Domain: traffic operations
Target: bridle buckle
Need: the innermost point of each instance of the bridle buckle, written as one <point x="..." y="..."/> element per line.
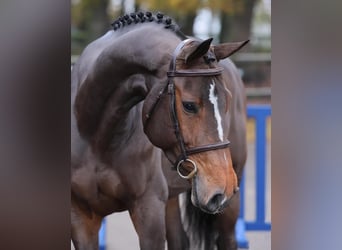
<point x="193" y="171"/>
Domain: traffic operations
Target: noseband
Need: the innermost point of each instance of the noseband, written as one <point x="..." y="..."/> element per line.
<point x="170" y="88"/>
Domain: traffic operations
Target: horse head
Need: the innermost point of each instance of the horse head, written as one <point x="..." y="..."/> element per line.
<point x="189" y="119"/>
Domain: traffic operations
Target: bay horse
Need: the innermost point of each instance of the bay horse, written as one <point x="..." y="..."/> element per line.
<point x="145" y="98"/>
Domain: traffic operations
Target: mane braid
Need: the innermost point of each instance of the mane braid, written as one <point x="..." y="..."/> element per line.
<point x="141" y="17"/>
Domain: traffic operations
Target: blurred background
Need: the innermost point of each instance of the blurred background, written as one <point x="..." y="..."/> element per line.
<point x="224" y="20"/>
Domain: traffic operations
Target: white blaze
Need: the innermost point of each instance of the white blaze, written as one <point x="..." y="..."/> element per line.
<point x="213" y="99"/>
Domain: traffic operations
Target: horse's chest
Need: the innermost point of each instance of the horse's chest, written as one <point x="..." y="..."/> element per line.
<point x="121" y="181"/>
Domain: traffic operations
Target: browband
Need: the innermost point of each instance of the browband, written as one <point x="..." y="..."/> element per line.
<point x="195" y="72"/>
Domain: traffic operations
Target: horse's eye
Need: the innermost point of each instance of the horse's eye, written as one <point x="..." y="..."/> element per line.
<point x="190" y="107"/>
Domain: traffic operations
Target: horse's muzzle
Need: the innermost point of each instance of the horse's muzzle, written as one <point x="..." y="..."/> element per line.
<point x="215" y="204"/>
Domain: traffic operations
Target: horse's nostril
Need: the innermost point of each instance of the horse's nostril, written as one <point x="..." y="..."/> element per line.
<point x="216" y="198"/>
<point x="215" y="202"/>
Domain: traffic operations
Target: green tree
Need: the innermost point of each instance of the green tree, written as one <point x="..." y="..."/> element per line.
<point x="236" y="15"/>
<point x="89" y="21"/>
<point x="184" y="12"/>
<point x="236" y="21"/>
<point x="90" y="18"/>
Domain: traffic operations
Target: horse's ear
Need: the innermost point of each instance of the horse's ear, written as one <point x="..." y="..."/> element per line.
<point x="200" y="50"/>
<point x="227" y="49"/>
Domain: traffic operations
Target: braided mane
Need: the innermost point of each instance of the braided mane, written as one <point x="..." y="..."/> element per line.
<point x="141" y="17"/>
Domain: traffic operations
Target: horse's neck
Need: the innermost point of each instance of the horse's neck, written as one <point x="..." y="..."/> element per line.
<point x="115" y="135"/>
<point x="120" y="116"/>
<point x="117" y="55"/>
<point x="121" y="76"/>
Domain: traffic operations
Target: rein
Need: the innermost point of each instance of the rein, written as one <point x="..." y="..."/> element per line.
<point x="170" y="88"/>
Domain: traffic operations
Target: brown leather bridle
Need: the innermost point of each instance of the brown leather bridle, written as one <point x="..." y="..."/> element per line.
<point x="170" y="88"/>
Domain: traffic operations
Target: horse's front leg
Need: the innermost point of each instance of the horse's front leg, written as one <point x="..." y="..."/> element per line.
<point x="226" y="225"/>
<point x="84" y="226"/>
<point x="148" y="217"/>
<point x="176" y="236"/>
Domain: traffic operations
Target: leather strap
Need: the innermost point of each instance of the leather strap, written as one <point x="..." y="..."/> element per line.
<point x="172" y="67"/>
<point x="195" y="72"/>
<point x="176" y="127"/>
<point x="201" y="149"/>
